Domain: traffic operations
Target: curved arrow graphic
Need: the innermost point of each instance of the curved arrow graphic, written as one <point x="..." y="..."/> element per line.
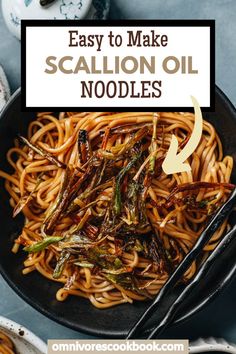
<point x="175" y="162"/>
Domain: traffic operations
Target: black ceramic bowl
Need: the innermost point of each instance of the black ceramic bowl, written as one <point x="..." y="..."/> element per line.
<point x="78" y="313"/>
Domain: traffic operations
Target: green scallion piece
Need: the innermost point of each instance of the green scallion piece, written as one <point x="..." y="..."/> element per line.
<point x="41" y="245"/>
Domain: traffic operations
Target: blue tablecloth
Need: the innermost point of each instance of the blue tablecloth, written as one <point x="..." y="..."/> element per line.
<point x="218" y="319"/>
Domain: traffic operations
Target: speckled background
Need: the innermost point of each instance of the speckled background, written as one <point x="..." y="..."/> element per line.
<point x="219" y="318"/>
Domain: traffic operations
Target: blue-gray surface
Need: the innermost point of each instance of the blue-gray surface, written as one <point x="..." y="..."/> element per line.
<point x="218" y="319"/>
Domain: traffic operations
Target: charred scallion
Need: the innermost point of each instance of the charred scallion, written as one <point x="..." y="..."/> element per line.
<point x="25" y="199"/>
<point x="64" y="256"/>
<point x="118" y="180"/>
<point x="153" y="145"/>
<point x="84" y="148"/>
<point x="43" y="153"/>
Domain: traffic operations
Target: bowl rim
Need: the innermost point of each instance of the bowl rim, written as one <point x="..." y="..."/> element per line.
<point x="29" y="337"/>
<point x="103" y="333"/>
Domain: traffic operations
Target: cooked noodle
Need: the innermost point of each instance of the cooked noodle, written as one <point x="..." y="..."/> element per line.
<point x="101" y="217"/>
<point x="6" y="345"/>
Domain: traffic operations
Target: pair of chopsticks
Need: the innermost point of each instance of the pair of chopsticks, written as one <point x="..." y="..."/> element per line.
<point x="205" y="237"/>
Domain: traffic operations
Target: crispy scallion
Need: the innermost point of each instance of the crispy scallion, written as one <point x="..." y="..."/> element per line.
<point x="43" y="153"/>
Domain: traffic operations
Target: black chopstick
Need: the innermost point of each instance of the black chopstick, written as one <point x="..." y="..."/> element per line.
<point x="203" y="271"/>
<point x="215" y="222"/>
<point x="46" y="2"/>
